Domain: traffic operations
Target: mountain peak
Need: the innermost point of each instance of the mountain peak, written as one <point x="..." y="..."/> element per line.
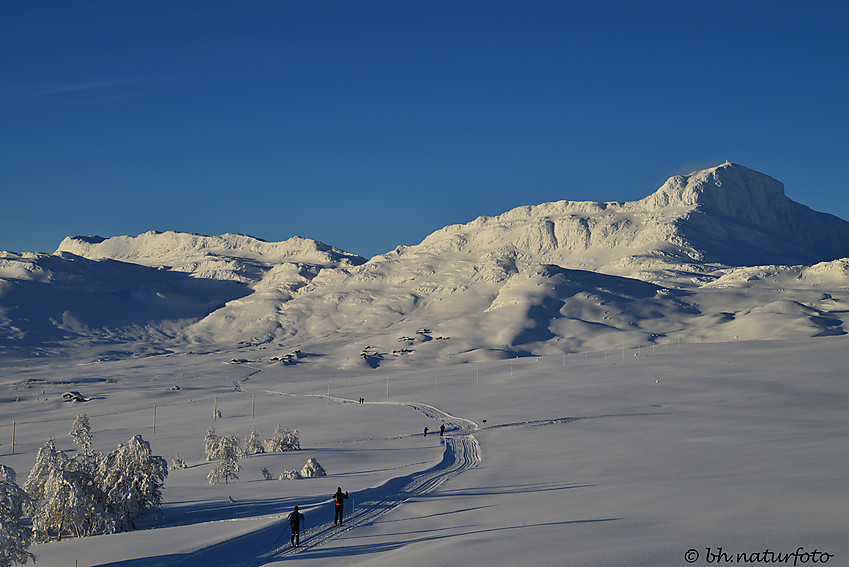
<point x="729" y="189"/>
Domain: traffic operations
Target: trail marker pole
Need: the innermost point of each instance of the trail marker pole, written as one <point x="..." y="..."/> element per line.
<point x="387" y="386"/>
<point x="154" y="418"/>
<point x="13" y="437"/>
<point x="477" y="376"/>
<point x="328" y="393"/>
<point x="253" y="405"/>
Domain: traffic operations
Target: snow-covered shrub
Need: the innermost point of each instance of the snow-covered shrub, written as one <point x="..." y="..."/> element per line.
<point x="289" y="475"/>
<point x="177" y="463"/>
<point x="284" y="440"/>
<point x="15" y="537"/>
<point x="254" y="444"/>
<point x="226" y="455"/>
<point x="210" y="443"/>
<point x="265" y="474"/>
<point x="312" y="469"/>
<point x="132" y="479"/>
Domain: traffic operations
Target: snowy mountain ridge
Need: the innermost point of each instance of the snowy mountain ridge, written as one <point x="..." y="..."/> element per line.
<point x="228" y="256"/>
<point x="714" y="255"/>
<point x="728" y="215"/>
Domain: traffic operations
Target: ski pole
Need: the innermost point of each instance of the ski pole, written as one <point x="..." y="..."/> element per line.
<point x="281" y="534"/>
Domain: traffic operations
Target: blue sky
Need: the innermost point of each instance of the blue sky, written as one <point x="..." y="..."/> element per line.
<point x="369" y="124"/>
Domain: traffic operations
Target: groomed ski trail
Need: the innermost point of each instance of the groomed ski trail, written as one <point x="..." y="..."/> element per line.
<point x="462" y="452"/>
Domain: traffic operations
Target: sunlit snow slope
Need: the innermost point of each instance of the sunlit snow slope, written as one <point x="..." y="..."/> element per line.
<point x="715" y="255"/>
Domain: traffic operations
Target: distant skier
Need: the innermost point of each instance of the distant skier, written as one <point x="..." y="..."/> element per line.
<point x="442" y="430"/>
<point x="340" y="497"/>
<point x="295" y="519"/>
<point x="425" y="432"/>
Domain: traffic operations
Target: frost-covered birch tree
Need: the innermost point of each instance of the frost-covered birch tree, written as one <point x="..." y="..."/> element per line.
<point x="226" y="456"/>
<point x="72" y="506"/>
<point x="254" y="444"/>
<point x="210" y="443"/>
<point x="15" y="536"/>
<point x="132" y="478"/>
<point x="48" y="459"/>
<point x="81" y="434"/>
<point x="64" y="497"/>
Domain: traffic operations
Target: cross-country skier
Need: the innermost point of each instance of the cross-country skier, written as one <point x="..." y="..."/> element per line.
<point x="425" y="432"/>
<point x="340" y="497"/>
<point x="295" y="519"/>
<point x="442" y="430"/>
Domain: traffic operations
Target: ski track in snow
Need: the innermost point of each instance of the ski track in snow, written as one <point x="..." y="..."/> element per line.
<point x="461" y="453"/>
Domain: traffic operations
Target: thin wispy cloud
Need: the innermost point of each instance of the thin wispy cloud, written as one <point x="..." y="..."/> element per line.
<point x="95" y="86"/>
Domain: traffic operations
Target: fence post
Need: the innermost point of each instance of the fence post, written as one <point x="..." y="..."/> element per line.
<point x="13" y="437"/>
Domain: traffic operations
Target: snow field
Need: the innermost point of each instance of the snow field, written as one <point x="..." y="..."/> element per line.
<point x="598" y="461"/>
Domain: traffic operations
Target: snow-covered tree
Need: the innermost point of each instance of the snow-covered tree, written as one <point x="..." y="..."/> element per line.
<point x="72" y="505"/>
<point x="132" y="479"/>
<point x="15" y="537"/>
<point x="210" y="443"/>
<point x="226" y="455"/>
<point x="312" y="469"/>
<point x="49" y="458"/>
<point x="284" y="440"/>
<point x="265" y="474"/>
<point x="254" y="445"/>
<point x="81" y="434"/>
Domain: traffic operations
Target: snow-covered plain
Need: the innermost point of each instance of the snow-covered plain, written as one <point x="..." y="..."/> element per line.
<point x="626" y="457"/>
<point x="661" y="382"/>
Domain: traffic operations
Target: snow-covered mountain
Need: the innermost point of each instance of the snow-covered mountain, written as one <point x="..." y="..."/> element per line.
<point x="717" y="254"/>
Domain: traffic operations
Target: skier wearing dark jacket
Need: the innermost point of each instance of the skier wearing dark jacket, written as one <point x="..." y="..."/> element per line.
<point x="340" y="497"/>
<point x="295" y="519"/>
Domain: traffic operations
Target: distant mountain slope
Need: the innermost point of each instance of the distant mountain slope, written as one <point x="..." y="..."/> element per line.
<point x="727" y="215"/>
<point x="497" y="283"/>
<point x="719" y="254"/>
<point x="46" y="300"/>
<point x="228" y="256"/>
